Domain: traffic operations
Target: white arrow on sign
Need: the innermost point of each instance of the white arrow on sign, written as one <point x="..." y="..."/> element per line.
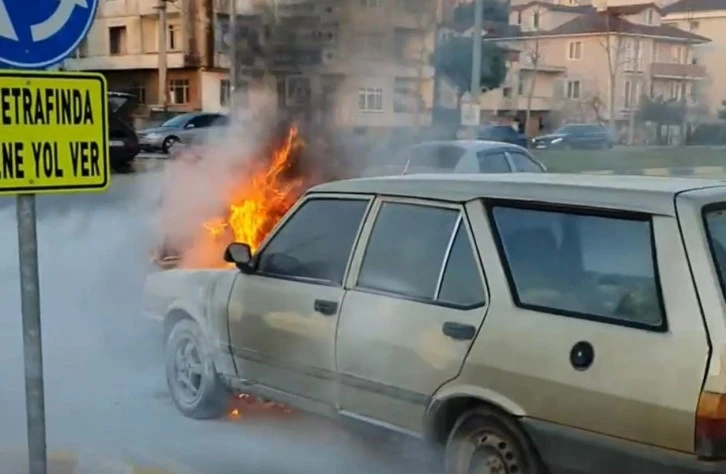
<point x="53" y="24"/>
<point x="7" y="30"/>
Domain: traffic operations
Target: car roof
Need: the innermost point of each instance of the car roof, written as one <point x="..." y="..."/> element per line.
<point x="653" y="195"/>
<point x="470" y="145"/>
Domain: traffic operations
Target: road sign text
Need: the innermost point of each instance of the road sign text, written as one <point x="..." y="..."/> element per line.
<point x="53" y="132"/>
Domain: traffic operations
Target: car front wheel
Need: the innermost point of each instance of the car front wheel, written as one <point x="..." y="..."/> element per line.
<point x="168" y="143"/>
<point x="193" y="382"/>
<point x="484" y="441"/>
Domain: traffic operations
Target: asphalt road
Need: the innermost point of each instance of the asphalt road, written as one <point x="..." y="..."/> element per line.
<point x="104" y="387"/>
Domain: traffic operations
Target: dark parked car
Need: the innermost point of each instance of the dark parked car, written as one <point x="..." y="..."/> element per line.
<point x="123" y="141"/>
<point x="576" y="135"/>
<point x="503" y="133"/>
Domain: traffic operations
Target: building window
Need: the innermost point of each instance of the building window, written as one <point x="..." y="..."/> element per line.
<point x="370" y="99"/>
<point x="520" y="85"/>
<point x="225" y="90"/>
<point x="117" y="40"/>
<point x="574" y="50"/>
<point x="573" y="89"/>
<point x="173" y="38"/>
<point x="535" y="20"/>
<point x="139" y="92"/>
<point x="649" y="16"/>
<point x="693" y="25"/>
<point x="628" y="91"/>
<point x="506" y="91"/>
<point x="519" y="17"/>
<point x="179" y="91"/>
<point x="406" y="98"/>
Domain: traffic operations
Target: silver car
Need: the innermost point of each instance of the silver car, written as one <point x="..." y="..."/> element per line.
<point x="186" y="128"/>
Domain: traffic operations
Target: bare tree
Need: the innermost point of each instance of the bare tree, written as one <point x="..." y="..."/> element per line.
<point x="533" y="55"/>
<point x="614" y="45"/>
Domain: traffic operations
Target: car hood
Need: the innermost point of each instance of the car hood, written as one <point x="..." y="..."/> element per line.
<point x="147" y="131"/>
<point x="163" y="288"/>
<point x="550" y="136"/>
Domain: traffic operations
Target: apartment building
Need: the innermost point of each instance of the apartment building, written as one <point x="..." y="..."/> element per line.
<point x="593" y="62"/>
<point x="706" y="18"/>
<point x="359" y="63"/>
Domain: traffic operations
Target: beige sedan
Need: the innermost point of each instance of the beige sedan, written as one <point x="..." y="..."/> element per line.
<point x="525" y="323"/>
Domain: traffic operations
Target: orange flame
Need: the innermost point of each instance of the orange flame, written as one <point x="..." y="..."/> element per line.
<point x="264" y="194"/>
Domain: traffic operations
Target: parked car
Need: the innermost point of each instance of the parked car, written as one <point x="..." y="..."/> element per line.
<point x="123" y="141"/>
<point x="576" y="135"/>
<point x="536" y="322"/>
<point x="467" y="156"/>
<point x="185" y="128"/>
<point x="503" y="133"/>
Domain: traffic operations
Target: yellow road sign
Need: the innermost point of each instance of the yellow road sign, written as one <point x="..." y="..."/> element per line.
<point x="53" y="132"/>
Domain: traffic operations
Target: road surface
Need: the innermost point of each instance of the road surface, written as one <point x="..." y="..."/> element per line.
<point x="105" y="393"/>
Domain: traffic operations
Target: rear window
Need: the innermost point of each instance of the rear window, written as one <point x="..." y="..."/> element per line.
<point x="716" y="230"/>
<point x="436" y="157"/>
<point x="594" y="266"/>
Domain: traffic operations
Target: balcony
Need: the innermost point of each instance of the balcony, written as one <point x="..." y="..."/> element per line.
<point x="124" y="62"/>
<point x="677" y="71"/>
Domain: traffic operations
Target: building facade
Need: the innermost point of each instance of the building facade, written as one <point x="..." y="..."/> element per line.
<point x="594" y="62"/>
<point x="359" y="63"/>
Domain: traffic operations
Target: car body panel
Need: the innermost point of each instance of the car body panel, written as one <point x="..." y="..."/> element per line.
<point x="376" y="328"/>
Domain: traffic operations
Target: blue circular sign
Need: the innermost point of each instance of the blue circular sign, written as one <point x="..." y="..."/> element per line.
<point x="43" y="34"/>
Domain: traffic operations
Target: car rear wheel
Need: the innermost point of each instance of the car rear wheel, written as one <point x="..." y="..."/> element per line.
<point x="168" y="143"/>
<point x="484" y="441"/>
<point x="193" y="382"/>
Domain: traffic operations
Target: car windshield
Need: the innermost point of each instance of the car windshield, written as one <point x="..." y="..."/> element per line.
<point x="715" y="222"/>
<point x="177" y="121"/>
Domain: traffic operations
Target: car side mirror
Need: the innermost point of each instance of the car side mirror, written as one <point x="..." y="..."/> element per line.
<point x="240" y="254"/>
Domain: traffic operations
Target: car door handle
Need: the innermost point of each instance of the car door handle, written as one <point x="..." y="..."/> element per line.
<point x="328" y="308"/>
<point x="459" y="331"/>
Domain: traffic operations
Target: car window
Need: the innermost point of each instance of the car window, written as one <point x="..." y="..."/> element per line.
<point x="716" y="230"/>
<point x="461" y="284"/>
<point x="493" y="162"/>
<point x="203" y="121"/>
<point x="582" y="265"/>
<point x="406" y="250"/>
<point x="435" y="157"/>
<point x="522" y="162"/>
<point x="316" y="241"/>
<point x="176" y="122"/>
<point x="220" y="121"/>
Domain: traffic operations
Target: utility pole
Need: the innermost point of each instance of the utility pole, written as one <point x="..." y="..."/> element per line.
<point x="476" y="56"/>
<point x="163" y="86"/>
<point x="232" y="35"/>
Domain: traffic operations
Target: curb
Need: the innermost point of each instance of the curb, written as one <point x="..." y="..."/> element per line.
<point x="63" y="462"/>
<point x="683" y="172"/>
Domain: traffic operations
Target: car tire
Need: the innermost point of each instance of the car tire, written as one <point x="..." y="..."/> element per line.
<point x="168" y="143"/>
<point x="195" y="387"/>
<point x="484" y="440"/>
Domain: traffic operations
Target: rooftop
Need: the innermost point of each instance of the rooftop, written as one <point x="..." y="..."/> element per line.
<point x="637" y="193"/>
<point x="686" y="6"/>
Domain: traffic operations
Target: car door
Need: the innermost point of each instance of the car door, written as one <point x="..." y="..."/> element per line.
<point x="415" y="300"/>
<point x="603" y="304"/>
<point x="196" y="127"/>
<point x="283" y="316"/>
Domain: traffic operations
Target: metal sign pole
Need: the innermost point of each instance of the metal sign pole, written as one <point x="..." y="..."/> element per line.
<point x="32" y="344"/>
